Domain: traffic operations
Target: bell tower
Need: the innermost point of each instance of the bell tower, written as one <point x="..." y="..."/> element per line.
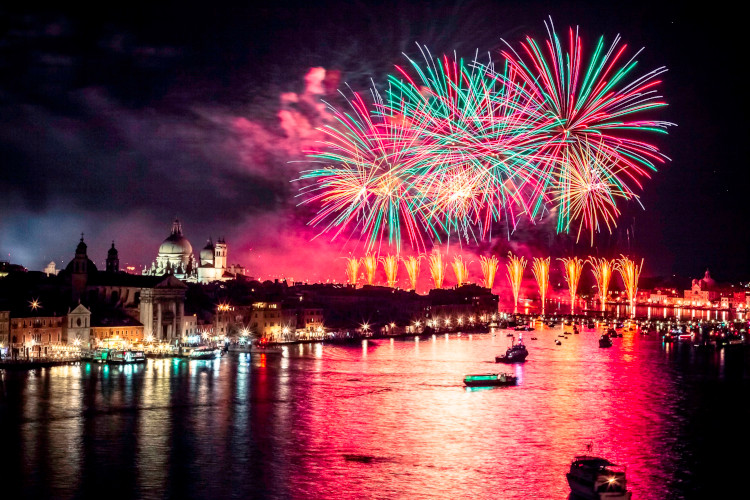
<point x="80" y="273"/>
<point x="220" y="257"/>
<point x="113" y="261"/>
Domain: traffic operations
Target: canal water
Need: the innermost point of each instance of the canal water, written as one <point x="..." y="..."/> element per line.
<point x="390" y="420"/>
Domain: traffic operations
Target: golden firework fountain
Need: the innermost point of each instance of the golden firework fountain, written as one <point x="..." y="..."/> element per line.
<point x="352" y="270"/>
<point x="370" y="261"/>
<point x="461" y="270"/>
<point x="630" y="273"/>
<point x="412" y="265"/>
<point x="437" y="269"/>
<point x="602" y="269"/>
<point x="515" y="267"/>
<point x="390" y="266"/>
<point x="573" y="270"/>
<point x="489" y="270"/>
<point x="540" y="268"/>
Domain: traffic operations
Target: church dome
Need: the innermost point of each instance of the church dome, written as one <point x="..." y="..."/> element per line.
<point x="207" y="254"/>
<point x="176" y="243"/>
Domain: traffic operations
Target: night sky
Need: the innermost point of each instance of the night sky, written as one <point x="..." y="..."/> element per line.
<point x="116" y="118"/>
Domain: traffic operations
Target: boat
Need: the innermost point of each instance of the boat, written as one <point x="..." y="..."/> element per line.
<point x="605" y="341"/>
<point x="557" y="342"/>
<point x="597" y="478"/>
<point x="204" y="352"/>
<point x="122" y="357"/>
<point x="516" y="353"/>
<point x="489" y="379"/>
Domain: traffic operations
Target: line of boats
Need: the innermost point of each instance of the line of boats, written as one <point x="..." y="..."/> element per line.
<point x="130" y="356"/>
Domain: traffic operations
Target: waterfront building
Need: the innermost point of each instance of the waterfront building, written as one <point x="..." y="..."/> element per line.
<point x="77" y="331"/>
<point x="113" y="326"/>
<point x="37" y="333"/>
<point x="272" y="322"/>
<point x="4" y="332"/>
<point x="162" y="310"/>
<point x="706" y="292"/>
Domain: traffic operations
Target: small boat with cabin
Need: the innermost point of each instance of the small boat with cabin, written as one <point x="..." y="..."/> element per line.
<point x="204" y="352"/>
<point x="516" y="353"/>
<point x="596" y="478"/>
<point x="605" y="341"/>
<point x="489" y="380"/>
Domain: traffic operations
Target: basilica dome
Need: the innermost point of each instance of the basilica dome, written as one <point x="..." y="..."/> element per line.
<point x="176" y="244"/>
<point x="176" y="249"/>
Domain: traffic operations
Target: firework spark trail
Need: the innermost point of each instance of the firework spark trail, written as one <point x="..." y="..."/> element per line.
<point x="370" y="261"/>
<point x="630" y="273"/>
<point x="540" y="268"/>
<point x="352" y="270"/>
<point x="437" y="269"/>
<point x="390" y="266"/>
<point x="461" y="270"/>
<point x="362" y="186"/>
<point x="602" y="269"/>
<point x="515" y="267"/>
<point x="573" y="270"/>
<point x="412" y="264"/>
<point x="489" y="270"/>
<point x="587" y="191"/>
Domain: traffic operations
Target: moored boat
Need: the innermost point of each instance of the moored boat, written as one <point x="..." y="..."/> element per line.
<point x="516" y="353"/>
<point x="489" y="379"/>
<point x="204" y="352"/>
<point x="124" y="356"/>
<point x="605" y="341"/>
<point x="596" y="478"/>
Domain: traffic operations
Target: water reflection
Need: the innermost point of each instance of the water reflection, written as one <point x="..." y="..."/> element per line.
<point x="389" y="419"/>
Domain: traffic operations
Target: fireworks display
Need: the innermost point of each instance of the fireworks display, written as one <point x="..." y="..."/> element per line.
<point x="453" y="147"/>
<point x="602" y="269"/>
<point x="390" y="266"/>
<point x="461" y="270"/>
<point x="370" y="262"/>
<point x="437" y="269"/>
<point x="515" y="266"/>
<point x="489" y="269"/>
<point x="630" y="273"/>
<point x="412" y="264"/>
<point x="540" y="268"/>
<point x="352" y="270"/>
<point x="573" y="270"/>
